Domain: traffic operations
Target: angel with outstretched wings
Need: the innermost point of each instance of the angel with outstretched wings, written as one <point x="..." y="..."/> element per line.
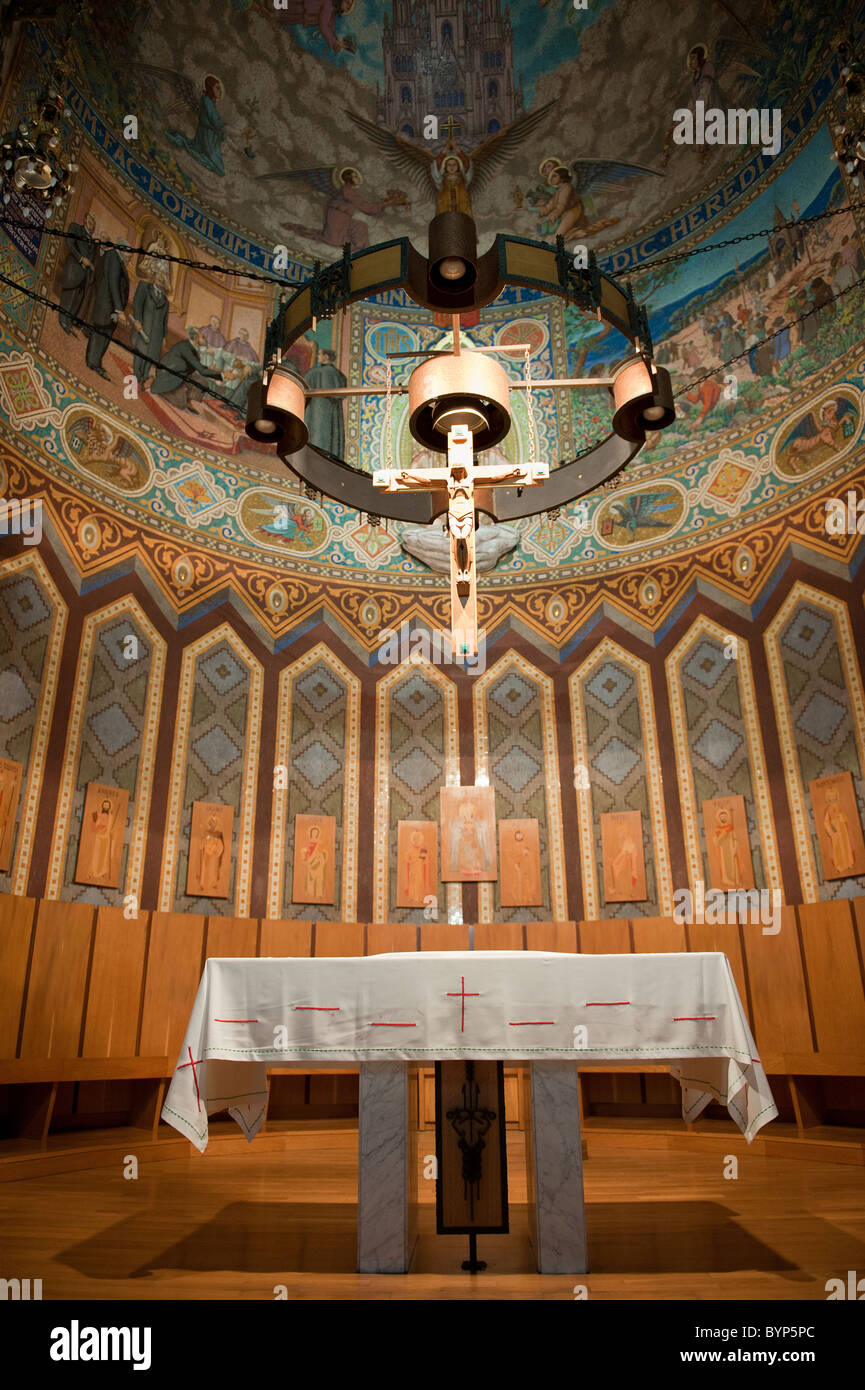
<point x="340" y="186"/>
<point x="568" y="207"/>
<point x="205" y="146"/>
<point x="450" y="174"/>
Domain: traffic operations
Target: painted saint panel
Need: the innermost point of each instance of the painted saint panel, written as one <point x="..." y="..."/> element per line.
<point x="314" y="856"/>
<point x="468" y="835"/>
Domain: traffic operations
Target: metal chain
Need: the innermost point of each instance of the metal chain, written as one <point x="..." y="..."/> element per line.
<point x="737" y="240"/>
<point x="387" y="401"/>
<point x="530" y="407"/>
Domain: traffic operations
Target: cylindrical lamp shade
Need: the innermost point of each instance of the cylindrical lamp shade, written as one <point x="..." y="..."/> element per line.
<point x="453" y="251"/>
<point x="470" y="389"/>
<point x="275" y="410"/>
<point x="643" y="397"/>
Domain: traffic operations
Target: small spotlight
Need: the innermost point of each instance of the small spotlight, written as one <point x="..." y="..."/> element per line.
<point x="643" y="398"/>
<point x="275" y="410"/>
<point x="654" y="412"/>
<point x="452" y="268"/>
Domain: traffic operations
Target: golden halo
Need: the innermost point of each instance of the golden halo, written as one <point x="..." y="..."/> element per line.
<point x="699" y="44"/>
<point x="547" y="159"/>
<point x="215" y="78"/>
<point x="347" y="169"/>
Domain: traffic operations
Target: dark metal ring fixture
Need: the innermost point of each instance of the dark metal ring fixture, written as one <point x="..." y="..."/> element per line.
<point x="462" y="387"/>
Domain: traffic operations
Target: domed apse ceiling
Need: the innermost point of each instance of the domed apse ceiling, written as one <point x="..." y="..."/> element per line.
<point x="303" y="127"/>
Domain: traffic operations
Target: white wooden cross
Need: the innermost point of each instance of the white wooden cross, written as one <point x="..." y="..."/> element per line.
<point x="459" y="479"/>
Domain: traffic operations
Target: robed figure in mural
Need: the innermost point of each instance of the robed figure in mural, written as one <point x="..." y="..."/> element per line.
<point x="109" y="305"/>
<point x="205" y="145"/>
<point x="324" y="416"/>
<point x="77" y="271"/>
<point x="149" y="321"/>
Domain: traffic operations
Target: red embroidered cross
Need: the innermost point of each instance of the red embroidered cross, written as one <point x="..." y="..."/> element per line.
<point x="193" y="1064"/>
<point x="462" y="994"/>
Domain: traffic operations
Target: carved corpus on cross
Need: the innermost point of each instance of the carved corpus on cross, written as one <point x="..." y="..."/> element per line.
<point x="459" y="479"/>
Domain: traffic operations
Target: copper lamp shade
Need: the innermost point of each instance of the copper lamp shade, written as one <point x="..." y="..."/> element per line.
<point x="275" y="408"/>
<point x="470" y="389"/>
<point x="643" y="396"/>
<point x="453" y="250"/>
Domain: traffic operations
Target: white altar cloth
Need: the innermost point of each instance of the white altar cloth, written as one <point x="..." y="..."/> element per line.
<point x="682" y="1010"/>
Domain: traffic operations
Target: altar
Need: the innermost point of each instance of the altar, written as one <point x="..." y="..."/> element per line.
<point x="554" y="1011"/>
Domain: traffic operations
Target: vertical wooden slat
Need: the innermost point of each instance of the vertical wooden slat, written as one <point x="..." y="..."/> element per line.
<point x="339" y="938"/>
<point x="658" y="935"/>
<point x="499" y="936"/>
<point x="16" y="931"/>
<point x="551" y="936"/>
<point x="58" y="976"/>
<point x="231" y="936"/>
<point x="384" y="937"/>
<point x="703" y="937"/>
<point x="173" y="975"/>
<point x="776" y="976"/>
<point x="116" y="984"/>
<point x="285" y="938"/>
<point x="612" y="938"/>
<point x="444" y="936"/>
<point x="833" y="976"/>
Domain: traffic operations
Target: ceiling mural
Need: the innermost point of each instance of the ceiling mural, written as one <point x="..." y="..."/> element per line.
<point x="303" y="127"/>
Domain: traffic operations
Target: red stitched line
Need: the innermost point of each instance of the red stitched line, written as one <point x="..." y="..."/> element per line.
<point x="191" y="1063"/>
<point x="320" y="1008"/>
<point x="531" y="1023"/>
<point x="461" y="993"/>
<point x="605" y="1003"/>
<point x="235" y="1020"/>
<point x="695" y="1018"/>
<point x="393" y="1025"/>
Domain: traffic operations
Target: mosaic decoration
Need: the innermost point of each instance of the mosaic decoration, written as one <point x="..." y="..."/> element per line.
<point x="215" y="758"/>
<point x="718" y="744"/>
<point x="616" y="770"/>
<point x="32" y="629"/>
<point x="516" y="754"/>
<point x="113" y="721"/>
<point x="317" y="768"/>
<point x="416" y="743"/>
<point x="820" y="709"/>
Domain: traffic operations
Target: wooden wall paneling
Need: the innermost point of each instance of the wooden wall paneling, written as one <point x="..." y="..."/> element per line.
<point x="610" y="938"/>
<point x="858" y="906"/>
<point x="285" y="939"/>
<point x="776" y="976"/>
<point x="808" y="1104"/>
<point x="727" y="940"/>
<point x="385" y="937"/>
<point x="499" y="936"/>
<point x="173" y="974"/>
<point x="444" y="936"/>
<point x="147" y="1101"/>
<point x="56" y="988"/>
<point x="16" y="934"/>
<point x="551" y="936"/>
<point x="231" y="936"/>
<point x="31" y="1108"/>
<point x="834" y="977"/>
<point x="116" y="984"/>
<point x="658" y="935"/>
<point x="339" y="938"/>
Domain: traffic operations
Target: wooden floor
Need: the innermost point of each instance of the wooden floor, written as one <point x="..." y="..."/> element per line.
<point x="236" y="1223"/>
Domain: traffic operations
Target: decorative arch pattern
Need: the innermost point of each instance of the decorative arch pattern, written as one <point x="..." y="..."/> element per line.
<point x="613" y="712"/>
<point x="718" y="744"/>
<point x="524" y="769"/>
<point x="317" y="742"/>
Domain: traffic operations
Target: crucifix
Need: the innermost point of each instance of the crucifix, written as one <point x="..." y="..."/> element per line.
<point x="449" y="126"/>
<point x="458" y="480"/>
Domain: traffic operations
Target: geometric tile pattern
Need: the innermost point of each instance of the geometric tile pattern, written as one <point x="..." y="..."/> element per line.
<point x="214" y="771"/>
<point x="416" y="761"/>
<point x="714" y="728"/>
<point x="515" y="739"/>
<point x="316" y="774"/>
<point x="26" y="615"/>
<point x="617" y="770"/>
<point x="818" y="706"/>
<point x="112" y="729"/>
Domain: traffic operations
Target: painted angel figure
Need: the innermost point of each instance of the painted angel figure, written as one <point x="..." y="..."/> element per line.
<point x="205" y="145"/>
<point x="340" y="187"/>
<point x="566" y="201"/>
<point x="446" y="176"/>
